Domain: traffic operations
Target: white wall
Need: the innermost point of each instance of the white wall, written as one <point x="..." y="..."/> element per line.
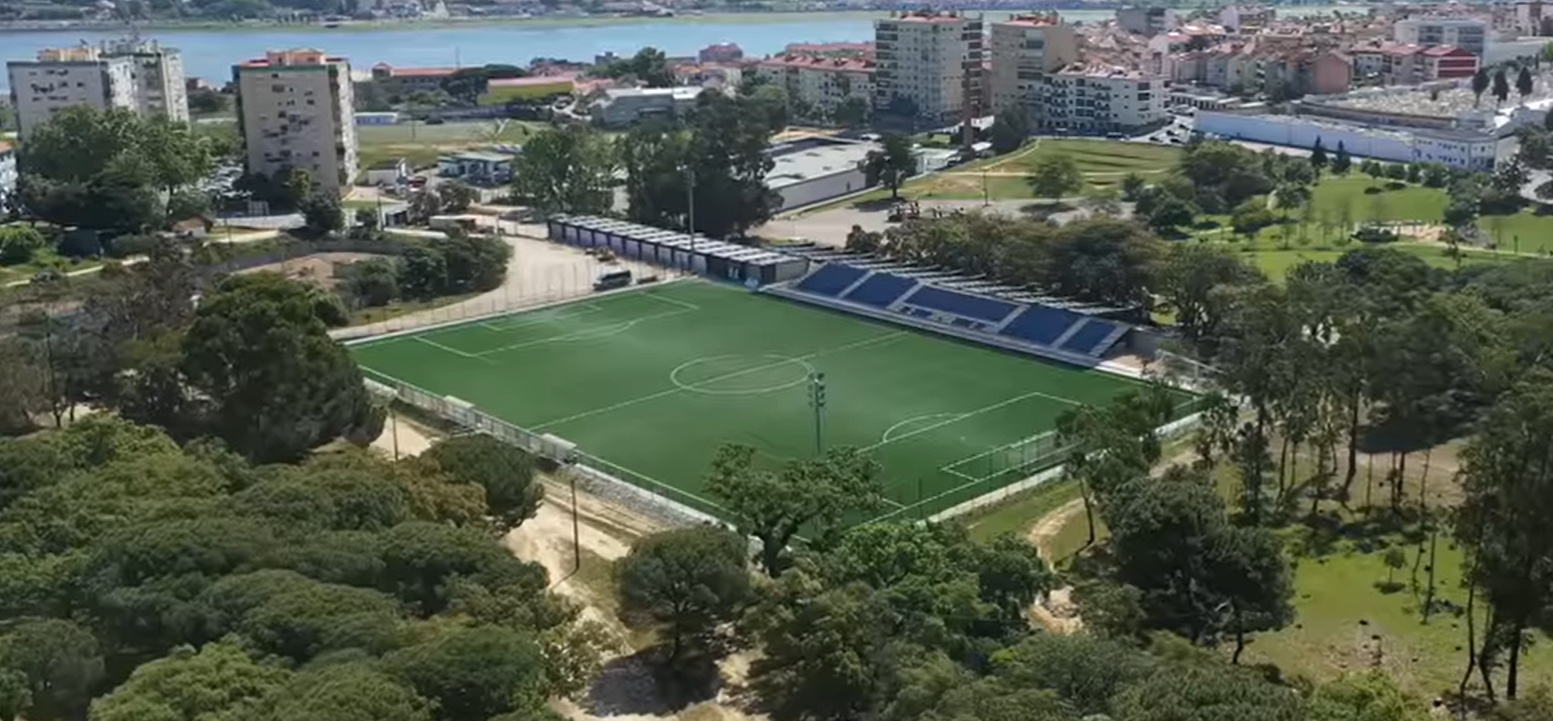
<point x="824" y="187"/>
<point x="1392" y="146"/>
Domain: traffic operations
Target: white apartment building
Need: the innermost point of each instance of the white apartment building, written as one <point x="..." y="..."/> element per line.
<point x="821" y="82"/>
<point x="135" y="74"/>
<point x="66" y="77"/>
<point x="1102" y="99"/>
<point x="931" y="62"/>
<point x="1470" y="34"/>
<point x="1147" y="20"/>
<point x="158" y="75"/>
<point x="295" y="110"/>
<point x="1024" y="49"/>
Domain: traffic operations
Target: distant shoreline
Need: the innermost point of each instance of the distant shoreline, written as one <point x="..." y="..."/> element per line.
<point x="765" y="16"/>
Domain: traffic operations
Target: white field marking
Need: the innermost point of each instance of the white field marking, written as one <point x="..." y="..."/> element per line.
<point x="671" y="391"/>
<point x="696" y="387"/>
<point x="963" y="416"/>
<point x="440" y="346"/>
<point x="673" y="301"/>
<point x="585" y="334"/>
<point x="951" y="471"/>
<point x="503" y="325"/>
<point x="886" y="435"/>
<point x="893" y="503"/>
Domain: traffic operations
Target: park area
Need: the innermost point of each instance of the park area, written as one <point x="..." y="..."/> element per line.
<point x="650" y="383"/>
<point x="422" y="143"/>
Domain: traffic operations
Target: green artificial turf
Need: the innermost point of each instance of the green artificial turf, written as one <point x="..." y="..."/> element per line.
<point x="649" y="384"/>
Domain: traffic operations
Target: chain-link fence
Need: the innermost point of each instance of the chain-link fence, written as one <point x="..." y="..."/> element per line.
<point x="527" y="287"/>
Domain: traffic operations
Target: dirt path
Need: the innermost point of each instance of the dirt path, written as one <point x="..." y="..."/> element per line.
<point x="1056" y="612"/>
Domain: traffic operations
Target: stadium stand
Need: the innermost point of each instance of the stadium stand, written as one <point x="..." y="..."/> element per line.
<point x="1085" y="339"/>
<point x="831" y="279"/>
<point x="880" y="290"/>
<point x="969" y="306"/>
<point x="954" y="301"/>
<point x="1040" y="324"/>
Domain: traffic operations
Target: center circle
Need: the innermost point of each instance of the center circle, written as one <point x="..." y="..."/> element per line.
<point x="741" y="374"/>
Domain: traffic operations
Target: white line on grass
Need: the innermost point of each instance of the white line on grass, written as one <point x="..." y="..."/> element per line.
<point x="660" y="394"/>
<point x="539" y="318"/>
<point x="585" y="334"/>
<point x="673" y="301"/>
<point x="440" y="346"/>
<point x="969" y="414"/>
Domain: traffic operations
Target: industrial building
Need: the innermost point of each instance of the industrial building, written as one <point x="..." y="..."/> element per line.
<point x="811" y="170"/>
<point x="1466" y="149"/>
<point x="624" y="107"/>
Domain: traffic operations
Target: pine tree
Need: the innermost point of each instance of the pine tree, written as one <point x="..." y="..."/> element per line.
<point x="1479" y="85"/>
<point x="1341" y="162"/>
<point x="1318" y="156"/>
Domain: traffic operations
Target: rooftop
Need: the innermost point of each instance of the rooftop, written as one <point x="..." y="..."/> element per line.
<point x="806" y="161"/>
<point x="532" y="81"/>
<point x="1032" y="20"/>
<point x="819" y="63"/>
<point x="927" y="16"/>
<point x="290" y="58"/>
<point x="678" y="93"/>
<point x="1445" y="99"/>
<point x="414" y="72"/>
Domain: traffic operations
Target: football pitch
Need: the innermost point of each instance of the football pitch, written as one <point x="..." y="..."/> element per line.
<point x="649" y="383"/>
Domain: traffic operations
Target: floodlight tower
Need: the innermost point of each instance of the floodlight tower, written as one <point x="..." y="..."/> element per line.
<point x="817" y="401"/>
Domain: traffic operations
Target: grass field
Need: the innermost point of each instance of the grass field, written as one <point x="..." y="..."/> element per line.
<point x="421" y="143"/>
<point x="652" y="382"/>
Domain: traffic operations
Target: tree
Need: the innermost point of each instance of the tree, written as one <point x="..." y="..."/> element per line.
<point x="61" y="662"/>
<point x="423" y="272"/>
<point x="373" y="282"/>
<point x="218" y="680"/>
<point x="1198" y="282"/>
<point x="1523" y="82"/>
<point x="774" y="506"/>
<point x="1010" y="130"/>
<point x="207" y="102"/>
<point x="1371" y="696"/>
<point x="349" y="692"/>
<point x="686" y="581"/>
<point x="18" y="243"/>
<point x="322" y="213"/>
<point x="1318" y="156"/>
<point x="566" y="170"/>
<point x="1341" y="162"/>
<point x="1501" y="86"/>
<point x="891" y="164"/>
<point x="1207" y="692"/>
<point x="1132" y="187"/>
<point x="277" y="385"/>
<point x="473" y="673"/>
<point x="456" y="196"/>
<point x="1054" y="175"/>
<point x="505" y="472"/>
<point x="1480" y="82"/>
<point x="1507" y="485"/>
<point x="852" y="112"/>
<point x="1171" y="213"/>
<point x="649" y="66"/>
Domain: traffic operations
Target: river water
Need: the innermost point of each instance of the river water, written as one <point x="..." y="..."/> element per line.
<point x="210" y="54"/>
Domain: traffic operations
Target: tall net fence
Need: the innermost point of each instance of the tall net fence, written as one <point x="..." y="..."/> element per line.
<point x="596" y="475"/>
<point x="527" y="287"/>
<point x="985" y="477"/>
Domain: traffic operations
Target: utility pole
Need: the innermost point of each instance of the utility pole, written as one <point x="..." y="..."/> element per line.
<point x="690" y="205"/>
<point x="817" y="401"/>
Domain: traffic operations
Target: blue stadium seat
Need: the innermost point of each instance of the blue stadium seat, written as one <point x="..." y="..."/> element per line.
<point x="881" y="289"/>
<point x="831" y="279"/>
<point x="970" y="306"/>
<point x="1040" y="324"/>
<point x="1085" y="340"/>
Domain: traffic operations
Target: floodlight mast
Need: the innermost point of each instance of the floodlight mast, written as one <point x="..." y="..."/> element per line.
<point x="817" y="401"/>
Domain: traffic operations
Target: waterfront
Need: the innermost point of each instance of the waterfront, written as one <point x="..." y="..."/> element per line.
<point x="209" y="53"/>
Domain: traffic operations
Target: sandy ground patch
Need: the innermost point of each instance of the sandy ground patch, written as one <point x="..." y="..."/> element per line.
<point x="317" y="268"/>
<point x="1056" y="612"/>
<point x="402" y="437"/>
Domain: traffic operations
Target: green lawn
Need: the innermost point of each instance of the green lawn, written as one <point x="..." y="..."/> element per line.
<point x="652" y="382"/>
<point x="1410" y="203"/>
<point x="422" y="144"/>
<point x="1276" y="262"/>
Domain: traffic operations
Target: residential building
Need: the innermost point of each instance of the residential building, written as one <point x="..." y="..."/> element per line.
<point x="1533" y="18"/>
<point x="160" y="87"/>
<point x="1097" y="99"/>
<point x="295" y="110"/>
<point x="1147" y="20"/>
<point x="1297" y="73"/>
<point x="7" y="175"/>
<point x="930" y="63"/>
<point x="1246" y="20"/>
<point x="409" y="80"/>
<point x="139" y="75"/>
<point x="720" y="53"/>
<point x="1369" y="65"/>
<point x="1024" y="49"/>
<point x="480" y="168"/>
<point x="1470" y="34"/>
<point x="822" y="83"/>
<point x="846" y="49"/>
<point x="1446" y="62"/>
<point x="66" y="77"/>
<point x="622" y="107"/>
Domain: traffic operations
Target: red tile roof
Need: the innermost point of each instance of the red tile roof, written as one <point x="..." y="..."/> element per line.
<point x="1446" y="51"/>
<point x="858" y="65"/>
